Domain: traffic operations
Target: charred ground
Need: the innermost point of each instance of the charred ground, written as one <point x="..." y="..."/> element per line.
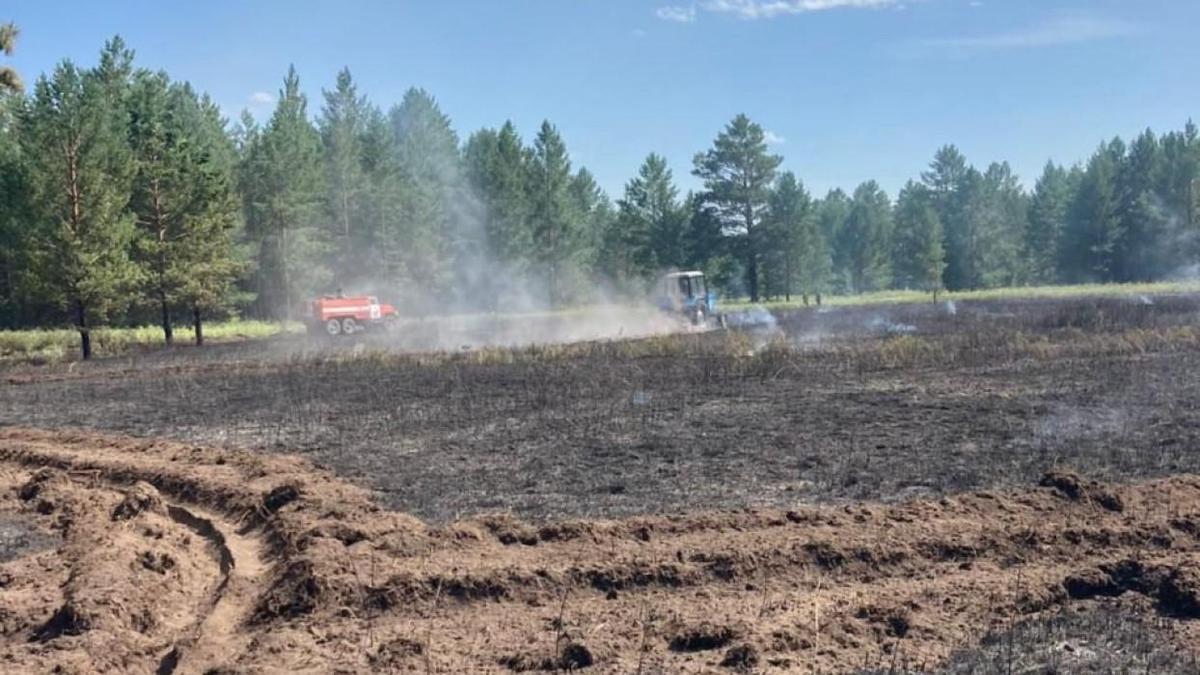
<point x="806" y="406"/>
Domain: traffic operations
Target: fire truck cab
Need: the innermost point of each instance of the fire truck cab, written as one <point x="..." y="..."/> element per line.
<point x="336" y="315"/>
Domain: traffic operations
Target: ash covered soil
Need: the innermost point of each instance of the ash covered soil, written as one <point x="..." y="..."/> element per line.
<point x="174" y="558"/>
<point x="807" y="406"/>
<point x="985" y="488"/>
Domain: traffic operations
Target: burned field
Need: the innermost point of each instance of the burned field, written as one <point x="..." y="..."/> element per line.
<point x="982" y="488"/>
<point x="845" y="404"/>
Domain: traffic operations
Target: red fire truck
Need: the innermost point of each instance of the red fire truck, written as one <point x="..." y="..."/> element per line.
<point x="346" y="315"/>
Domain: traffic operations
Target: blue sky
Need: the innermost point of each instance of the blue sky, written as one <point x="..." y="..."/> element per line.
<point x="849" y="89"/>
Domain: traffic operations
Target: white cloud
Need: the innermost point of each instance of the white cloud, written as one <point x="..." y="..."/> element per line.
<point x="1064" y="29"/>
<point x="638" y="32"/>
<point x="676" y="13"/>
<point x="769" y="9"/>
<point x="773" y="138"/>
<point x="260" y="98"/>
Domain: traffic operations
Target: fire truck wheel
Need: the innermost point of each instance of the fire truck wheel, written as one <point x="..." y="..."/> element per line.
<point x="333" y="327"/>
<point x="349" y="326"/>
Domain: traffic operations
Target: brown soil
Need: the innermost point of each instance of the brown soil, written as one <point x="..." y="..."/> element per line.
<point x="175" y="558"/>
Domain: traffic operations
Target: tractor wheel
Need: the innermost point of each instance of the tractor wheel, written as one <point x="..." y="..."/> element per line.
<point x="333" y="327"/>
<point x="349" y="326"/>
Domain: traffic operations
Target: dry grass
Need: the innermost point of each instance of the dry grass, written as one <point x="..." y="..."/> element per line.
<point x="55" y="345"/>
<point x="895" y="297"/>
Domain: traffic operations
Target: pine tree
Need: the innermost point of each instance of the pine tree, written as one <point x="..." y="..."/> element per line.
<point x="1143" y="251"/>
<point x="209" y="264"/>
<point x="496" y="169"/>
<point x="182" y="198"/>
<point x="342" y="126"/>
<point x="918" y="258"/>
<point x="383" y="200"/>
<point x="705" y="246"/>
<point x="434" y="229"/>
<point x="866" y="239"/>
<point x="1179" y="189"/>
<point x="947" y="179"/>
<point x="784" y="234"/>
<point x="997" y="223"/>
<point x="593" y="215"/>
<point x="1086" y="252"/>
<point x="648" y="233"/>
<point x="282" y="183"/>
<point x="552" y="214"/>
<point x="738" y="173"/>
<point x="815" y="259"/>
<point x="79" y="162"/>
<point x="832" y="212"/>
<point x="159" y="190"/>
<point x="1048" y="209"/>
<point x="14" y="214"/>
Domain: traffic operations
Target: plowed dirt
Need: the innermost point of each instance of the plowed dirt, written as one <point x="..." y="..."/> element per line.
<point x="175" y="558"/>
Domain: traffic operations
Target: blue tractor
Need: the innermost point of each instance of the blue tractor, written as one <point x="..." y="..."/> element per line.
<point x="685" y="294"/>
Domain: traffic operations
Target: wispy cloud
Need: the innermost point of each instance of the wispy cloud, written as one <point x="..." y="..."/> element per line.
<point x="769" y="9"/>
<point x="773" y="138"/>
<point x="677" y="13"/>
<point x="1063" y="29"/>
<point x="260" y="98"/>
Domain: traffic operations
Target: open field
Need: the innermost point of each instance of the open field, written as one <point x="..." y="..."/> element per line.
<point x="1056" y="292"/>
<point x="847" y="404"/>
<point x="47" y="346"/>
<point x="899" y="488"/>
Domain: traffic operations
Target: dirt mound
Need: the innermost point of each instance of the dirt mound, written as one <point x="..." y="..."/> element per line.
<point x="1075" y="488"/>
<point x="140" y="498"/>
<point x="176" y="558"/>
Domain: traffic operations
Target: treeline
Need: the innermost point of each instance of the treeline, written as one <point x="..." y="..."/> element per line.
<point x="125" y="197"/>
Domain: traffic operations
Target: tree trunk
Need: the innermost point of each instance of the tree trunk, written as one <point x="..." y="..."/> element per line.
<point x="198" y="326"/>
<point x="787" y="281"/>
<point x="168" y="331"/>
<point x="85" y="335"/>
<point x="287" y="277"/>
<point x="751" y="253"/>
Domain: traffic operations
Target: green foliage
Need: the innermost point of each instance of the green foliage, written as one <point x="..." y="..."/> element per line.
<point x="865" y="239"/>
<point x="497" y="170"/>
<point x="737" y="173"/>
<point x="182" y="197"/>
<point x="947" y="181"/>
<point x="14" y="214"/>
<point x="124" y="195"/>
<point x="648" y="235"/>
<point x="429" y="230"/>
<point x="1088" y="249"/>
<point x="281" y="183"/>
<point x="918" y="257"/>
<point x="1048" y="210"/>
<point x="553" y="214"/>
<point x="342" y="127"/>
<point x="791" y="244"/>
<point x="80" y="174"/>
<point x="993" y="222"/>
<point x="832" y="213"/>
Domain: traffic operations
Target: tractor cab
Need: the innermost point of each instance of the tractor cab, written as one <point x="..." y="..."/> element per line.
<point x="687" y="294"/>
